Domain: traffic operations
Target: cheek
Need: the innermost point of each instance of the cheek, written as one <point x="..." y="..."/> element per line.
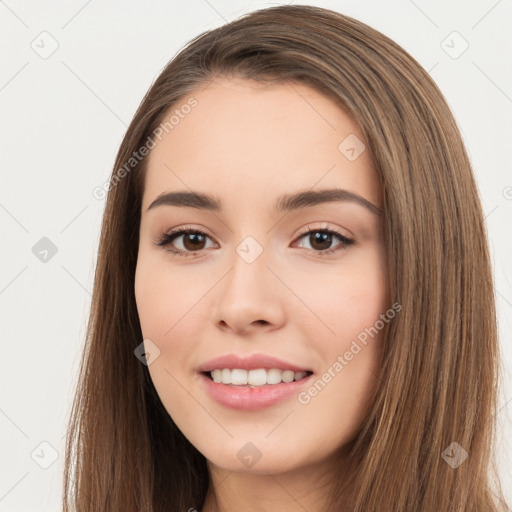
<point x="359" y="299"/>
<point x="349" y="299"/>
<point x="165" y="304"/>
<point x="165" y="300"/>
<point x="172" y="311"/>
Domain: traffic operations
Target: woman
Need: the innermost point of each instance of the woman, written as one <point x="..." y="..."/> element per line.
<point x="293" y="304"/>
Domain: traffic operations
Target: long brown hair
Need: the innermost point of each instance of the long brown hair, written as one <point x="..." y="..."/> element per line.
<point x="440" y="367"/>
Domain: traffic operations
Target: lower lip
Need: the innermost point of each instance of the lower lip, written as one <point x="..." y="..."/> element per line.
<point x="252" y="399"/>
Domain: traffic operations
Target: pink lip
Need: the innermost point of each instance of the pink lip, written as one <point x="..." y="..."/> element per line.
<point x="251" y="362"/>
<point x="251" y="399"/>
<point x="247" y="398"/>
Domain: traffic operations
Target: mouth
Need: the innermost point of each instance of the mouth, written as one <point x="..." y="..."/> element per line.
<point x="253" y="381"/>
<point x="255" y="389"/>
<point x="258" y="377"/>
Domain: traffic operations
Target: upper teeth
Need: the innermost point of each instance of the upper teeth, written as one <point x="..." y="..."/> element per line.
<point x="259" y="377"/>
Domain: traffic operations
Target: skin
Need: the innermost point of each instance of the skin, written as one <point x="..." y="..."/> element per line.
<point x="247" y="144"/>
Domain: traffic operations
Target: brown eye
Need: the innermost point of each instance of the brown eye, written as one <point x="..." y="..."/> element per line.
<point x="320" y="240"/>
<point x="192" y="241"/>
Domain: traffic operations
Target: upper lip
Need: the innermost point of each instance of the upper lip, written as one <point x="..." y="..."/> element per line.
<point x="251" y="362"/>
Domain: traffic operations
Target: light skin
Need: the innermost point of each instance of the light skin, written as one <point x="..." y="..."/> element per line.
<point x="247" y="144"/>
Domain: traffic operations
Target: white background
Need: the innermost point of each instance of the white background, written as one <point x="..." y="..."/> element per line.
<point x="63" y="118"/>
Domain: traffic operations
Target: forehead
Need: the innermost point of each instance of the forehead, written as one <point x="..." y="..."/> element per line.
<point x="245" y="140"/>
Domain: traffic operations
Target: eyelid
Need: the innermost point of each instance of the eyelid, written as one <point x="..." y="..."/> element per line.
<point x="324" y="227"/>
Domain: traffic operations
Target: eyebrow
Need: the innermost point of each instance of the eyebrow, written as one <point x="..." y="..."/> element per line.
<point x="286" y="203"/>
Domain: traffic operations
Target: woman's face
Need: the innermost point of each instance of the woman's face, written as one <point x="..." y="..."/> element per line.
<point x="264" y="276"/>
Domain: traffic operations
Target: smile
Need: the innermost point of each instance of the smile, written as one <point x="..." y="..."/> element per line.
<point x="247" y="397"/>
<point x="251" y="382"/>
<point x="255" y="378"/>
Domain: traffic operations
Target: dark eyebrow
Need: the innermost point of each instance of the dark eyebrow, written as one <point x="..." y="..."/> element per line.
<point x="314" y="197"/>
<point x="284" y="203"/>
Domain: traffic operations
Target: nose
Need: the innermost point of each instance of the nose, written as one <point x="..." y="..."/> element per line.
<point x="250" y="298"/>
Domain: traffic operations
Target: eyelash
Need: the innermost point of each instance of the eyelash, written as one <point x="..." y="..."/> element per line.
<point x="169" y="237"/>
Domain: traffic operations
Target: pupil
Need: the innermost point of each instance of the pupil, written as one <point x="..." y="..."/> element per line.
<point x="322" y="238"/>
<point x="193" y="236"/>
